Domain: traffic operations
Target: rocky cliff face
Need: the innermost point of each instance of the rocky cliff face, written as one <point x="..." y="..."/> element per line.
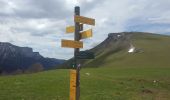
<point x="13" y="57"/>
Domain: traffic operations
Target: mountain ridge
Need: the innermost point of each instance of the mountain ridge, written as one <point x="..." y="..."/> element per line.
<point x="14" y="57"/>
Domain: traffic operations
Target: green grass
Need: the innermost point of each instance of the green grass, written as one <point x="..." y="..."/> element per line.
<point x="155" y="53"/>
<point x="41" y="86"/>
<point x="102" y="84"/>
<point x="119" y="76"/>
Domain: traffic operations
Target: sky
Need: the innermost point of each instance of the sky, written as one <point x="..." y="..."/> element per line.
<point x="40" y="24"/>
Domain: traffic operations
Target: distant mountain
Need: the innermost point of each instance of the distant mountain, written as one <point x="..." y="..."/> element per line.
<point x="129" y="49"/>
<point x="13" y="58"/>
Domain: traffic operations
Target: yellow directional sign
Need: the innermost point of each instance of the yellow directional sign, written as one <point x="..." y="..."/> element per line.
<point x="70" y="29"/>
<point x="86" y="34"/>
<point x="84" y="20"/>
<point x="71" y="44"/>
<point x="73" y="84"/>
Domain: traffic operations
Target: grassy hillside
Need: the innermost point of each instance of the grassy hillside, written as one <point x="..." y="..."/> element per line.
<point x="155" y="52"/>
<point x="120" y="76"/>
<point x="101" y="84"/>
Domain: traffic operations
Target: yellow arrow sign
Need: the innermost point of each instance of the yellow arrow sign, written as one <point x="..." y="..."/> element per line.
<point x="84" y="20"/>
<point x="70" y="29"/>
<point x="71" y="44"/>
<point x="86" y="34"/>
<point x="73" y="84"/>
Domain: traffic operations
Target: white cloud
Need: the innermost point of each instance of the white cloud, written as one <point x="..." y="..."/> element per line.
<point x="40" y="24"/>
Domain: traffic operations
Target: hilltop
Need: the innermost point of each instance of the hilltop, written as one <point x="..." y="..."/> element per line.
<point x="148" y="50"/>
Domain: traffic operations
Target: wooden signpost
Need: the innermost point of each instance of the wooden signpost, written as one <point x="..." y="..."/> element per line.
<point x="77" y="44"/>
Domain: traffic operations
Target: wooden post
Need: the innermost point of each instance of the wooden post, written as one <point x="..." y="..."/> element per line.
<point x="76" y="51"/>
